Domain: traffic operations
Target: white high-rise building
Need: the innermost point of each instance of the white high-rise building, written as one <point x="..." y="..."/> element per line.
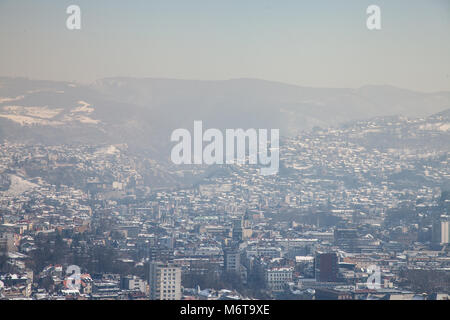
<point x="164" y="281"/>
<point x="445" y="231"/>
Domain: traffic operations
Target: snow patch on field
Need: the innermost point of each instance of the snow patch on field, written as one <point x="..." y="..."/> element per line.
<point x="43" y="115"/>
<point x="108" y="150"/>
<point x="25" y="120"/>
<point x="18" y="186"/>
<point x="6" y="99"/>
<point x="435" y="127"/>
<point x="84" y="107"/>
<point x="42" y="112"/>
<point x="30" y="115"/>
<point x="36" y="112"/>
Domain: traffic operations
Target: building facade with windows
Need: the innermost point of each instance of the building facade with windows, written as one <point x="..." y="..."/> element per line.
<point x="164" y="281"/>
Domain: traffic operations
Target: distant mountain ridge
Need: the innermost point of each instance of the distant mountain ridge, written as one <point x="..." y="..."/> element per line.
<point x="143" y="112"/>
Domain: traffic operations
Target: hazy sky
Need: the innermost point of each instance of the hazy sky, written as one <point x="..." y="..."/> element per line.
<point x="311" y="43"/>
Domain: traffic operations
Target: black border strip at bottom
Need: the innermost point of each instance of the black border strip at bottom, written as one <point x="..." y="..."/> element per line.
<point x="255" y="309"/>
